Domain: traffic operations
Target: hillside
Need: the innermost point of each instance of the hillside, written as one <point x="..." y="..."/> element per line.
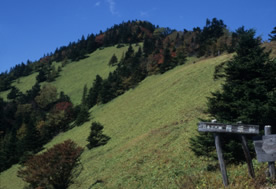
<point x="149" y="102"/>
<point x="76" y="74"/>
<point x="150" y="127"/>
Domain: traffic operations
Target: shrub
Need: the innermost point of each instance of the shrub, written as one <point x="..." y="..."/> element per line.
<point x="96" y="137"/>
<point x="53" y="168"/>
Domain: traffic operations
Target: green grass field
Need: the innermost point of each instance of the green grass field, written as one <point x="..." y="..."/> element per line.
<point x="149" y="126"/>
<point x="23" y="84"/>
<point x="75" y="75"/>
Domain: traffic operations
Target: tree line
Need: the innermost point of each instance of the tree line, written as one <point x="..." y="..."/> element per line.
<point x="212" y="40"/>
<point x="28" y="121"/>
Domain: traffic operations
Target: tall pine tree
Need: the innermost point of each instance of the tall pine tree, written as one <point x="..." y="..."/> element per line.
<point x="272" y="35"/>
<point x="93" y="94"/>
<point x="248" y="94"/>
<point x="249" y="89"/>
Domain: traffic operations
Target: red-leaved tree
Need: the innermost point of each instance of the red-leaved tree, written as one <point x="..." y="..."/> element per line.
<point x="53" y="168"/>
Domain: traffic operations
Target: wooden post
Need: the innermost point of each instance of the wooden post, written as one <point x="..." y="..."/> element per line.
<point x="221" y="160"/>
<point x="271" y="165"/>
<point x="238" y="128"/>
<point x="247" y="157"/>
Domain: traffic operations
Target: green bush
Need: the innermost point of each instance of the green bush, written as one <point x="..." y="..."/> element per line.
<point x="96" y="137"/>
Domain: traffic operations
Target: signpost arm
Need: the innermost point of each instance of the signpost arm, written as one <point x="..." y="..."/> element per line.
<point x="271" y="165"/>
<point x="221" y="160"/>
<point x="247" y="157"/>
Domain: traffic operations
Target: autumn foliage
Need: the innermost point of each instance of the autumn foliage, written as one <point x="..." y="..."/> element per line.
<point x="53" y="168"/>
<point x="66" y="106"/>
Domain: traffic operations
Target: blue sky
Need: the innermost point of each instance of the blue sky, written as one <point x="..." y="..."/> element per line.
<point x="31" y="28"/>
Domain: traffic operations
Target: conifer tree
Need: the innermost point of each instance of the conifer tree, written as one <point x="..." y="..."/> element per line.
<point x="31" y="141"/>
<point x="129" y="52"/>
<point x="181" y="56"/>
<point x="96" y="137"/>
<point x="113" y="60"/>
<point x="106" y="93"/>
<point x="248" y="90"/>
<point x="273" y="34"/>
<point x="13" y="93"/>
<point x="148" y="45"/>
<point x="31" y="94"/>
<point x="167" y="64"/>
<point x="93" y="94"/>
<point x="41" y="76"/>
<point x="84" y="95"/>
<point x="8" y="150"/>
<point x="83" y="115"/>
<point x="248" y="94"/>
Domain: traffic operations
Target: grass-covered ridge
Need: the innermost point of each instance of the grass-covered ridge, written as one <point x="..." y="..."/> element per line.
<point x="150" y="127"/>
<point x="75" y="75"/>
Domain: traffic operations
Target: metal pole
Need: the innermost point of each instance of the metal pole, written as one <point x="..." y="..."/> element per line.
<point x="271" y="165"/>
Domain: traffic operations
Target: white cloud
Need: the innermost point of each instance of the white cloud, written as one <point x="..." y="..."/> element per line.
<point x="147" y="13"/>
<point x="112" y="8"/>
<point x="144" y="13"/>
<point x="98" y="4"/>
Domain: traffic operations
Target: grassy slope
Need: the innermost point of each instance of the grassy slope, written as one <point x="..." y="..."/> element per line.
<point x="75" y="75"/>
<point x="150" y="127"/>
<point x="23" y="84"/>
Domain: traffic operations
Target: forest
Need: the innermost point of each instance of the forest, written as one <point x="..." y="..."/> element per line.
<point x="30" y="120"/>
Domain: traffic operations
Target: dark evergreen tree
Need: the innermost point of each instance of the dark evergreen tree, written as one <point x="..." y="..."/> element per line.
<point x="203" y="145"/>
<point x="113" y="60"/>
<point x="31" y="94"/>
<point x="248" y="94"/>
<point x="129" y="52"/>
<point x="32" y="141"/>
<point x="210" y="33"/>
<point x="63" y="97"/>
<point x="8" y="150"/>
<point x="13" y="93"/>
<point x="139" y="53"/>
<point x="168" y="63"/>
<point x="84" y="96"/>
<point x="93" y="95"/>
<point x="96" y="137"/>
<point x="236" y="35"/>
<point x="7" y="116"/>
<point x="106" y="93"/>
<point x="272" y="35"/>
<point x="91" y="45"/>
<point x="148" y="45"/>
<point x="5" y="81"/>
<point x="42" y="76"/>
<point x="52" y="74"/>
<point x="83" y="115"/>
<point x="2" y="110"/>
<point x="181" y="56"/>
<point x="248" y="89"/>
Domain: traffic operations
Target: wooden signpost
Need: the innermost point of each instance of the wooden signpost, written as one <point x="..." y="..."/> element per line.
<point x="241" y="129"/>
<point x="228" y="128"/>
<point x="266" y="150"/>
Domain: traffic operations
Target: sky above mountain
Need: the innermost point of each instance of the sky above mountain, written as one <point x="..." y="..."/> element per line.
<point x="31" y="28"/>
